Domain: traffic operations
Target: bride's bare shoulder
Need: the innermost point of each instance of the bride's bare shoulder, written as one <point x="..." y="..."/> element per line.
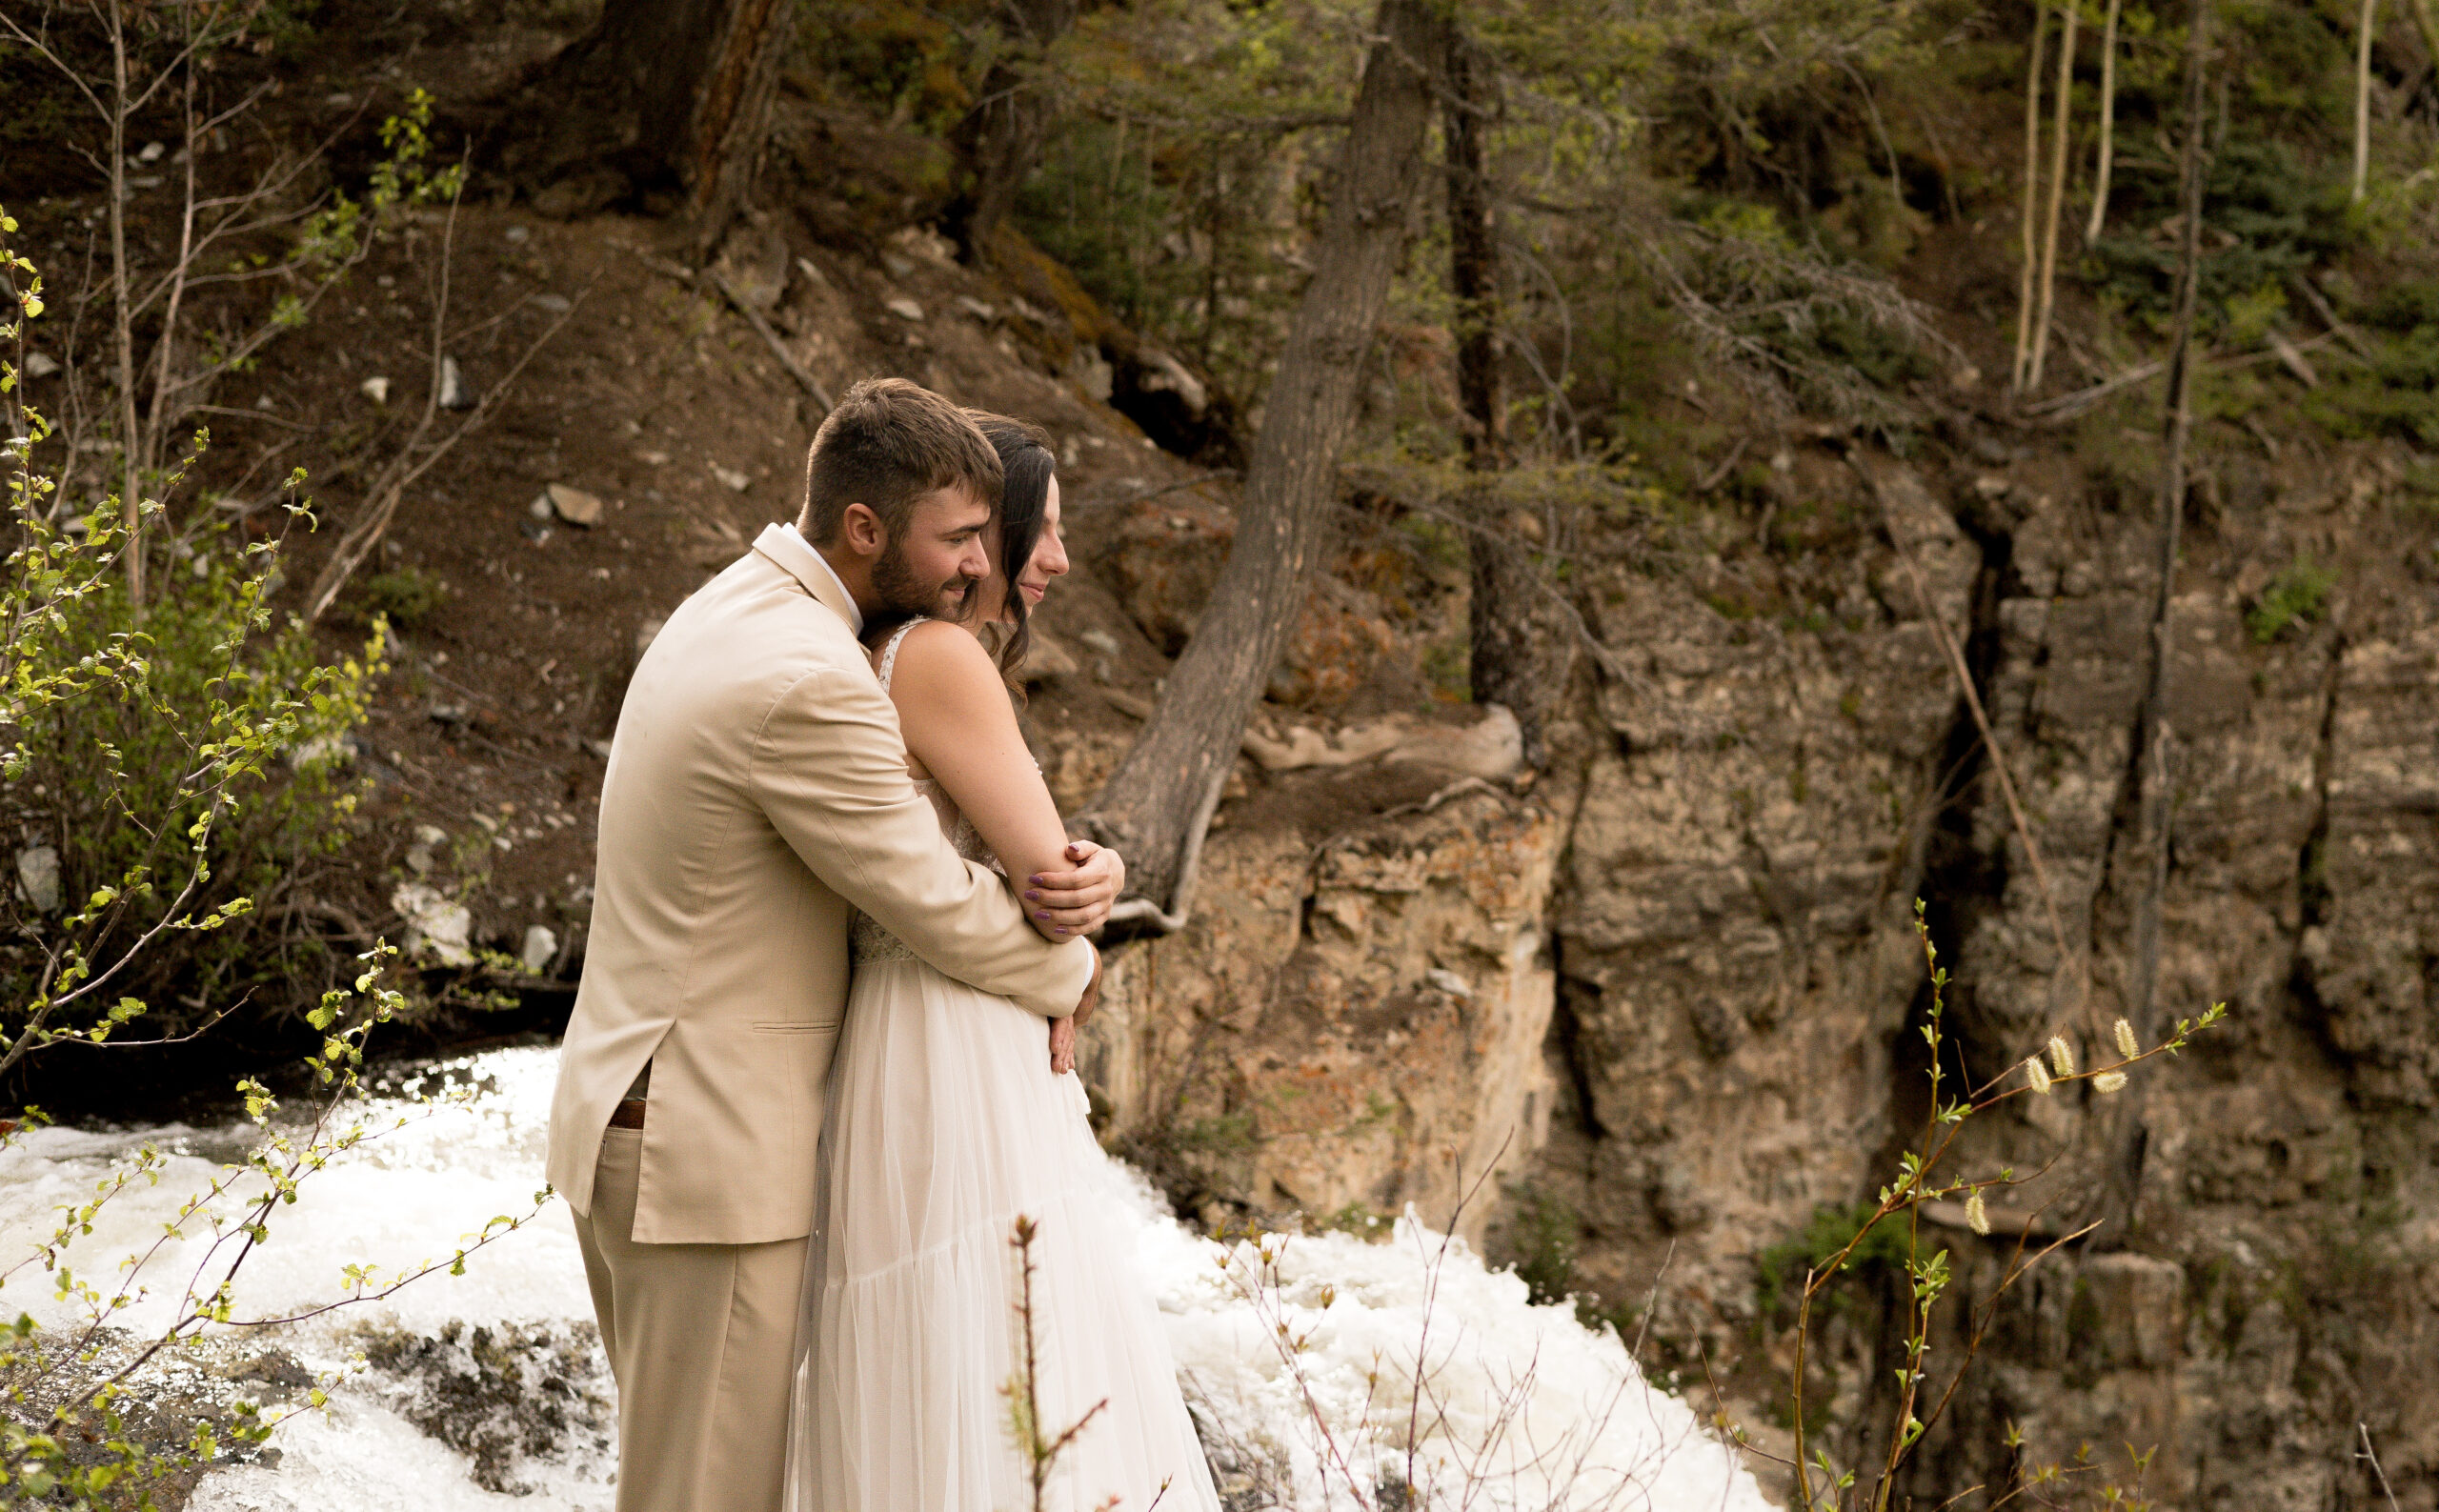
<point x="940" y="659"/>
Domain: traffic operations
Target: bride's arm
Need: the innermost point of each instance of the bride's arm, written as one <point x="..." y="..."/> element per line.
<point x="959" y="723"/>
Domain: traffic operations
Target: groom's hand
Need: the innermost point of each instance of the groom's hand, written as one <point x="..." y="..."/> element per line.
<point x="1085" y="1004"/>
<point x="1062" y="1046"/>
<point x="1077" y="902"/>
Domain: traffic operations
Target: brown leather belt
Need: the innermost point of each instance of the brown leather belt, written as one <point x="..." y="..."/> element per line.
<point x="628" y="1114"/>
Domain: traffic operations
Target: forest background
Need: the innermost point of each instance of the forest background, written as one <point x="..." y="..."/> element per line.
<point x="1867" y="451"/>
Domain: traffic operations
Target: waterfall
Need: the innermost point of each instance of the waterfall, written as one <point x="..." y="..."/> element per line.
<point x="488" y="1389"/>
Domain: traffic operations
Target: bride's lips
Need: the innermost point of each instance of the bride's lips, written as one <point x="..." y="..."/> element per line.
<point x="1034" y="594"/>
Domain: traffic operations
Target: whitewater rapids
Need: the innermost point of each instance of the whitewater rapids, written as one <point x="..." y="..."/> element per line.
<point x="1523" y="1406"/>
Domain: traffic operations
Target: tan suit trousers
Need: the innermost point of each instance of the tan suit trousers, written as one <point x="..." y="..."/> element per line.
<point x="702" y="1341"/>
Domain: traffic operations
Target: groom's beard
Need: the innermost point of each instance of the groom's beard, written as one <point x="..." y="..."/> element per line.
<point x="904" y="596"/>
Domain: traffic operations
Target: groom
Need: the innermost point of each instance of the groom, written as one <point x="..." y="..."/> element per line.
<point x="756" y="792"/>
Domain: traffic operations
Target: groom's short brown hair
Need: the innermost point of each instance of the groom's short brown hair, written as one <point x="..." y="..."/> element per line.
<point x="888" y="443"/>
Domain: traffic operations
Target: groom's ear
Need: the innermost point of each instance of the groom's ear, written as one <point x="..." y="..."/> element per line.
<point x="862" y="532"/>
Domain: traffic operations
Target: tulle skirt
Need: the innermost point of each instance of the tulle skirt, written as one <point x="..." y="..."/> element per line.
<point x="945" y="1124"/>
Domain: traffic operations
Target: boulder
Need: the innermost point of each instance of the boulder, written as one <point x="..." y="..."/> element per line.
<point x="1338" y="642"/>
<point x="1046" y="660"/>
<point x="573" y="505"/>
<point x="438" y="928"/>
<point x="1163" y="562"/>
<point x="38" y="875"/>
<point x="1490" y="748"/>
<point x="541" y="948"/>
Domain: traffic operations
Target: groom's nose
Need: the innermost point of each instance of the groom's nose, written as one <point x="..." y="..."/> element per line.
<point x="973" y="561"/>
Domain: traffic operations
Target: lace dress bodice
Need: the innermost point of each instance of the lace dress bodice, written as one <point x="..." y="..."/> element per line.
<point x="866" y="940"/>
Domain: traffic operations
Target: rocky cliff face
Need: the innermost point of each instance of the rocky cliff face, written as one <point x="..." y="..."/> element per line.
<point x="1354" y="1020"/>
<point x="1669" y="995"/>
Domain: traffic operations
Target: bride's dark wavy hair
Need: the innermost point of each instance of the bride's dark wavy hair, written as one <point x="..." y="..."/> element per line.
<point x="1026" y="466"/>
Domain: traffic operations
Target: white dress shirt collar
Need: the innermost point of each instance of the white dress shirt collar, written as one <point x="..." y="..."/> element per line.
<point x="787" y="547"/>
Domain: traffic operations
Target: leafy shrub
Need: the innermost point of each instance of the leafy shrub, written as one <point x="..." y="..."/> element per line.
<point x="205" y="672"/>
<point x="1879" y="354"/>
<point x="2279" y="215"/>
<point x="405" y="597"/>
<point x="2397" y="392"/>
<point x="907" y="60"/>
<point x="2296" y="594"/>
<point x="165" y="767"/>
<point x="169" y="753"/>
<point x="1100" y="205"/>
<point x="1781" y="1267"/>
<point x="1543" y="1233"/>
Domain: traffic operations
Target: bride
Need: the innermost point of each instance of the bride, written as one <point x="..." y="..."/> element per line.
<point x="948" y="1121"/>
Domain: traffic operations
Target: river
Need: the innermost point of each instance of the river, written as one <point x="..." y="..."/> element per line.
<point x="487" y="1390"/>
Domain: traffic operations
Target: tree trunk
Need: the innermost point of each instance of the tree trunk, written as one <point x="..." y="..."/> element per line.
<point x="2363" y="98"/>
<point x="2108" y="124"/>
<point x="2121" y="1177"/>
<point x="122" y="324"/>
<point x="2042" y="316"/>
<point x="1514" y="645"/>
<point x="2025" y="292"/>
<point x="665" y="98"/>
<point x="731" y="114"/>
<point x="1149" y="807"/>
<point x="1002" y="135"/>
<point x="1465" y="109"/>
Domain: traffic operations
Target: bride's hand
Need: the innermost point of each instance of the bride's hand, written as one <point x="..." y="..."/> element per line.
<point x="1062" y="1046"/>
<point x="1077" y="902"/>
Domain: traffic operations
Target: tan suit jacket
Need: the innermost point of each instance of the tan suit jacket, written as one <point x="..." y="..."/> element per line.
<point x="756" y="790"/>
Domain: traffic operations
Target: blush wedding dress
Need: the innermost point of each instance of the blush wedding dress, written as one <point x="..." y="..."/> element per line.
<point x="945" y="1124"/>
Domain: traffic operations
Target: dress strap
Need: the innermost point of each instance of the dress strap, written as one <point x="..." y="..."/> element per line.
<point x="889" y="651"/>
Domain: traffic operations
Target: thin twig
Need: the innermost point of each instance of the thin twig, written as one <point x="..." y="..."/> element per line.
<point x="1216" y="475"/>
<point x="2082" y="400"/>
<point x="2353" y="338"/>
<point x="402" y="472"/>
<point x="771" y="339"/>
<point x="1719" y="474"/>
<point x="1651" y="1303"/>
<point x="2372" y="1454"/>
<point x="2066" y="406"/>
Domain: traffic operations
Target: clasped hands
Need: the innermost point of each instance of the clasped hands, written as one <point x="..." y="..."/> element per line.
<point x="1065" y="905"/>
